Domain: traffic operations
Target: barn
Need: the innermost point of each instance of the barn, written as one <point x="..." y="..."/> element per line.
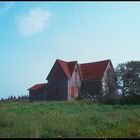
<point x="38" y="92"/>
<point x="66" y="80"/>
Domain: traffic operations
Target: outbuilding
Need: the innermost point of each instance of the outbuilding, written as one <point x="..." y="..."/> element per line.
<point x="38" y="92"/>
<point x="98" y="78"/>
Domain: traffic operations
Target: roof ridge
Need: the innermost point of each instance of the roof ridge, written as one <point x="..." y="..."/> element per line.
<point x="94" y="70"/>
<point x="67" y="68"/>
<point x="71" y="66"/>
<point x="71" y="61"/>
<point x="36" y="86"/>
<point x="66" y="61"/>
<point x="60" y="60"/>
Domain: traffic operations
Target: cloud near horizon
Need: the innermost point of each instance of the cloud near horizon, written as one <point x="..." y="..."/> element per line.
<point x="33" y="22"/>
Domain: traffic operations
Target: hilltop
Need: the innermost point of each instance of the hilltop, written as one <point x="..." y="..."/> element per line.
<point x="68" y="119"/>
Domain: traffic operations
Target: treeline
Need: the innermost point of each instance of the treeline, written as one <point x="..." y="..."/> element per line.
<point x="14" y="98"/>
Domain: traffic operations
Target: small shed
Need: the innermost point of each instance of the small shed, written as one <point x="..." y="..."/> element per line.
<point x="38" y="92"/>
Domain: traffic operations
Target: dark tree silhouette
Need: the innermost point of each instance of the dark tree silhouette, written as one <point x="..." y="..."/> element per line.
<point x="128" y="80"/>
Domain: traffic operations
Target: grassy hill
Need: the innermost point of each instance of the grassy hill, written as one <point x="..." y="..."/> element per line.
<point x="68" y="119"/>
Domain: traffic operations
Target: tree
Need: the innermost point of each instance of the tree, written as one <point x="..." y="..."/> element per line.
<point x="11" y="97"/>
<point x="128" y="78"/>
<point x="19" y="97"/>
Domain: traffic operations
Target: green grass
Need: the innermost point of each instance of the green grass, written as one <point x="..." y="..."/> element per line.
<point x="68" y="119"/>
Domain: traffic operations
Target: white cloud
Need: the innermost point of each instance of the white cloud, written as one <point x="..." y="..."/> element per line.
<point x="33" y="22"/>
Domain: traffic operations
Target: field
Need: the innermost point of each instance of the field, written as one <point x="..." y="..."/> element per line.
<point x="73" y="119"/>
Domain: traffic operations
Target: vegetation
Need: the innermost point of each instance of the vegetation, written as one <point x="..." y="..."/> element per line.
<point x="128" y="77"/>
<point x="128" y="81"/>
<point x="14" y="98"/>
<point x="21" y="119"/>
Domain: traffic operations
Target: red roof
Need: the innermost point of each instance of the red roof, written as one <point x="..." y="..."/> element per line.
<point x="88" y="71"/>
<point x="38" y="86"/>
<point x="67" y="67"/>
<point x="71" y="66"/>
<point x="93" y="71"/>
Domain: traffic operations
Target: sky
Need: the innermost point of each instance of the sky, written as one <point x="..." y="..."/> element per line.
<point x="34" y="34"/>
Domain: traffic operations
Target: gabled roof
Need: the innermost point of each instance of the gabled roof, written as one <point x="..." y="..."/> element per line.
<point x="93" y="71"/>
<point x="67" y="67"/>
<point x="38" y="86"/>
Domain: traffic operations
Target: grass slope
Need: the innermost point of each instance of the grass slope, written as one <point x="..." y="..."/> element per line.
<point x="68" y="119"/>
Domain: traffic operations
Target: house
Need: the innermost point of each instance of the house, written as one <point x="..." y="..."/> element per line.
<point x="64" y="81"/>
<point x="67" y="80"/>
<point x="38" y="92"/>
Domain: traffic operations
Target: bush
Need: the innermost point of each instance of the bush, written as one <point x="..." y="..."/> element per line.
<point x="82" y="95"/>
<point x="114" y="99"/>
<point x="135" y="99"/>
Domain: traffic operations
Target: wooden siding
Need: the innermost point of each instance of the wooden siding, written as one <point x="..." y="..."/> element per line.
<point x="74" y="84"/>
<point x="108" y="77"/>
<point x="57" y="84"/>
<point x="37" y="95"/>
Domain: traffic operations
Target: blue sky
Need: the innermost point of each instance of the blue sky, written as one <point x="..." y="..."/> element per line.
<point x="34" y="34"/>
